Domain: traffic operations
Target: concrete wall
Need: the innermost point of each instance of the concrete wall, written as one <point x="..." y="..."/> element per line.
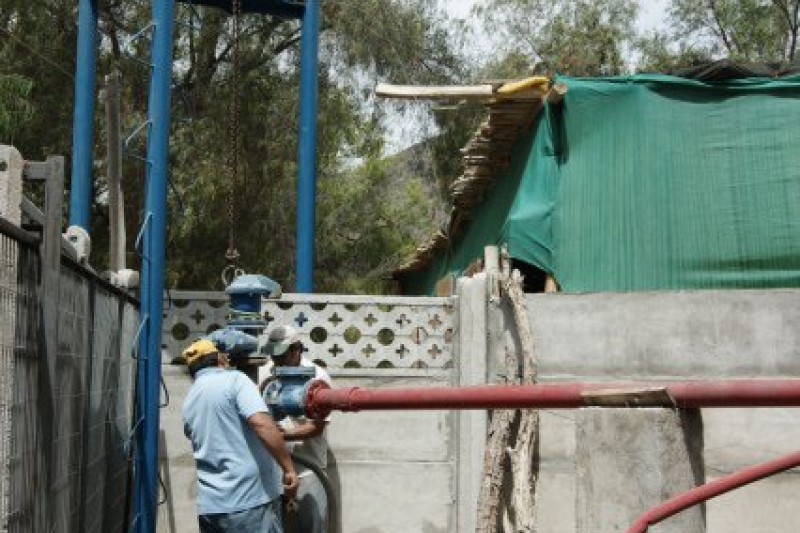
<point x="698" y="335"/>
<point x="393" y="472"/>
<point x="419" y="472"/>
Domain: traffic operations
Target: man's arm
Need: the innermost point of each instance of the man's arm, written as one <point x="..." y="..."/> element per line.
<point x="269" y="434"/>
<point x="304" y="430"/>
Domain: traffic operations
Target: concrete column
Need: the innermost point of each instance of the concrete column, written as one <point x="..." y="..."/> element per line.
<point x="629" y="460"/>
<point x="471" y="370"/>
<point x="11" y="164"/>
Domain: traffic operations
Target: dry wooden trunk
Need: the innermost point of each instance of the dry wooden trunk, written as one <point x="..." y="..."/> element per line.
<point x="523" y="456"/>
<point x="513" y="436"/>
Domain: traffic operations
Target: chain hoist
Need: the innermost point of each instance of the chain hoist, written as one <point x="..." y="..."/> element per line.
<point x="232" y="254"/>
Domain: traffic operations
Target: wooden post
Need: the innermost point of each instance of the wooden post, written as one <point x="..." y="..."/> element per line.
<point x="513" y="435"/>
<point x="556" y="94"/>
<point x="550" y="284"/>
<point x="524" y="467"/>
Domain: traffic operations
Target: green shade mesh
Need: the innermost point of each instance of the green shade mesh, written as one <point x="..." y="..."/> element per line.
<point x="649" y="183"/>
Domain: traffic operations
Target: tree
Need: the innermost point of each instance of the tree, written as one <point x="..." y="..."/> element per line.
<point x="575" y="37"/>
<point x="15" y="106"/>
<point x="37" y="51"/>
<point x="742" y="30"/>
<point x="362" y="41"/>
<point x="752" y="30"/>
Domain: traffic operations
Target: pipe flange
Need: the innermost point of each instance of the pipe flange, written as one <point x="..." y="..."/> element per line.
<point x="314" y="411"/>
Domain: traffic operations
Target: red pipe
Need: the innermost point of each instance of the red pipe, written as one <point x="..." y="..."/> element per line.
<point x="727" y="393"/>
<point x="710" y="490"/>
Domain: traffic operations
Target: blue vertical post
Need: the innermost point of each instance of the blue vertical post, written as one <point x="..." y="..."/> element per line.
<point x="307" y="152"/>
<point x="83" y="123"/>
<point x="153" y="263"/>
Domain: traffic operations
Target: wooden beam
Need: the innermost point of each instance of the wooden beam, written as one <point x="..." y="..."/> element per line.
<point x="556" y="94"/>
<point x="535" y="83"/>
<point x="644" y="397"/>
<point x="478" y="92"/>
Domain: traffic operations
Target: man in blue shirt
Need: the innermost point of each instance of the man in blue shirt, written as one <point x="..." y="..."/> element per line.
<point x="236" y="446"/>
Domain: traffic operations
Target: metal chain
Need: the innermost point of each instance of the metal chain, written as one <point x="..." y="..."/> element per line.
<point x="233" y="130"/>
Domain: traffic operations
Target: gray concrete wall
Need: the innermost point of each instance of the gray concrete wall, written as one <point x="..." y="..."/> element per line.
<point x="669" y="335"/>
<point x="683" y="335"/>
<point x="393" y="472"/>
<point x="471" y="367"/>
<point x="633" y="459"/>
<point x="412" y="472"/>
<point x="178" y="513"/>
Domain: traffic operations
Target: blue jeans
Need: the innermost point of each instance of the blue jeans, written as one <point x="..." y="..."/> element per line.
<point x="262" y="519"/>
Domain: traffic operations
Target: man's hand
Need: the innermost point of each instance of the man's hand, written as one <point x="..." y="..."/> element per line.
<point x="290" y="484"/>
<point x="304" y="430"/>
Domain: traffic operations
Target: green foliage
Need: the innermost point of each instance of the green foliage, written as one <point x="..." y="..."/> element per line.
<point x="15" y="106"/>
<point x="406" y="41"/>
<point x="752" y="30"/>
<point x="456" y="127"/>
<point x="368" y="216"/>
<point x="658" y="54"/>
<point x="37" y="51"/>
<point x="575" y="37"/>
<point x="742" y="30"/>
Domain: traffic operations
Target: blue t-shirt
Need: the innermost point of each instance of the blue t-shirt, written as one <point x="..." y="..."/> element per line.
<point x="234" y="470"/>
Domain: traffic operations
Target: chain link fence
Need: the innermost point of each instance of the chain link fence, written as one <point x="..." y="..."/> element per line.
<point x="66" y="395"/>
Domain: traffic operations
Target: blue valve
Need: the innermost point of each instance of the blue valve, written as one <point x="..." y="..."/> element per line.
<point x="247" y="290"/>
<point x="286" y="394"/>
<point x="234" y="342"/>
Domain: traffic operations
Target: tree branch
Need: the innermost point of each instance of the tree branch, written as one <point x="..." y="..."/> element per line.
<point x="712" y="5"/>
<point x="287" y="43"/>
<point x="795" y="26"/>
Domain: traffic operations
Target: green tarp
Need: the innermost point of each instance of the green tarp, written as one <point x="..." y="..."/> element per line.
<point x="649" y="183"/>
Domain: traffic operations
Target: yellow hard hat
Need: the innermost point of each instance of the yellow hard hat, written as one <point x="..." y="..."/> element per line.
<point x="199" y="349"/>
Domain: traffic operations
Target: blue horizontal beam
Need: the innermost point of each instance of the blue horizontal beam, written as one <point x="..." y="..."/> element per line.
<point x="280" y="8"/>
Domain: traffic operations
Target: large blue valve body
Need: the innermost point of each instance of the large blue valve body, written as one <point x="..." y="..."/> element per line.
<point x="246" y="292"/>
<point x="234" y="342"/>
<point x="286" y="393"/>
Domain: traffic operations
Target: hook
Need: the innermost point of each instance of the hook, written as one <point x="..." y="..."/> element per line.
<point x="229" y="273"/>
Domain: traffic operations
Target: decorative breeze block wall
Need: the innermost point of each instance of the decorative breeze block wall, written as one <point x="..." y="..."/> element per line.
<point x="339" y="331"/>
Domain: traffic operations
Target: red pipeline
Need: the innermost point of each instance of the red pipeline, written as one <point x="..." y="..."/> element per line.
<point x="710" y="490"/>
<point x="722" y="393"/>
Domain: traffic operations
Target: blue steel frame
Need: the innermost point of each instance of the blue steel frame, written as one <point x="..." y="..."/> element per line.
<point x="83" y="122"/>
<point x="153" y="268"/>
<point x="307" y="149"/>
<point x="153" y="232"/>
